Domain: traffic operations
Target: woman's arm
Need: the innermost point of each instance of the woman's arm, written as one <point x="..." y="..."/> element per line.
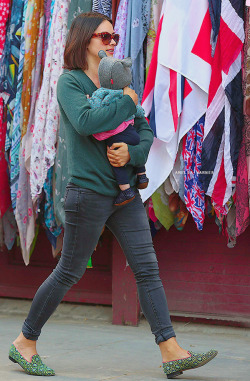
<point x="74" y="103"/>
<point x="120" y="154"/>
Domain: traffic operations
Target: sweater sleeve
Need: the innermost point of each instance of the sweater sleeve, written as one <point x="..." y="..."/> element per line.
<point x="139" y="153"/>
<point x="86" y="121"/>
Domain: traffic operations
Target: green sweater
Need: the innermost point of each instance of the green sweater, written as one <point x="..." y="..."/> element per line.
<point x="87" y="157"/>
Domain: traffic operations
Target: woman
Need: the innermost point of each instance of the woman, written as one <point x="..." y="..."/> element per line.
<point x="89" y="201"/>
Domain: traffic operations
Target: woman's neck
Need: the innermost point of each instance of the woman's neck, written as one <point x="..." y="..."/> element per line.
<point x="92" y="73"/>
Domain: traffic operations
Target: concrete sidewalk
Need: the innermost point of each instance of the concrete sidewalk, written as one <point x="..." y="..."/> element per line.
<point x="80" y="343"/>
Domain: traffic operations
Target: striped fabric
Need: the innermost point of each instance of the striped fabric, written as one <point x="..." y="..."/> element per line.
<point x="176" y="91"/>
<point x="224" y="117"/>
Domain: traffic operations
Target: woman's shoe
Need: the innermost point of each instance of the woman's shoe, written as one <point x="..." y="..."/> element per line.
<point x="142" y="181"/>
<point x="35" y="367"/>
<point x="174" y="368"/>
<point x="124" y="197"/>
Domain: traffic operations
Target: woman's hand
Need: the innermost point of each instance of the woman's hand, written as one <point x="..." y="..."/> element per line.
<point x="131" y="93"/>
<point x="118" y="154"/>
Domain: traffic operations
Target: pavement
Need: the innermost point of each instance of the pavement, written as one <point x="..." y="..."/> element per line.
<point x="80" y="343"/>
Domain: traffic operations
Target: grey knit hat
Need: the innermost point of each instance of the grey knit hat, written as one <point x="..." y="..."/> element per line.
<point x="113" y="73"/>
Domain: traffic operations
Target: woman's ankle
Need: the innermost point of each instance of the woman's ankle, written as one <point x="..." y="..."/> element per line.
<point x="21" y="341"/>
<point x="170" y="350"/>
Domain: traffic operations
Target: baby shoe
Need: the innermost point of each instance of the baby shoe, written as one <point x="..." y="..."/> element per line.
<point x="142" y="181"/>
<point x="124" y="197"/>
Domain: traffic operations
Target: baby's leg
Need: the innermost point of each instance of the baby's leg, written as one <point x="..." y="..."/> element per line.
<point x="142" y="180"/>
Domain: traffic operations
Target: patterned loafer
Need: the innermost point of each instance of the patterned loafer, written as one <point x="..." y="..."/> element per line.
<point x="124" y="197"/>
<point x="36" y="367"/>
<point x="174" y="368"/>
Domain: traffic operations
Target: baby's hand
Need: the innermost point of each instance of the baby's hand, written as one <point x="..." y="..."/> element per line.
<point x="131" y="93"/>
<point x="88" y="97"/>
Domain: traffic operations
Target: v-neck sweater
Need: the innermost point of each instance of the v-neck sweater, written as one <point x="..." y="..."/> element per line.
<point x="87" y="160"/>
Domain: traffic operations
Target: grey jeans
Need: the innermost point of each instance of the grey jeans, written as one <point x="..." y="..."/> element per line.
<point x="86" y="212"/>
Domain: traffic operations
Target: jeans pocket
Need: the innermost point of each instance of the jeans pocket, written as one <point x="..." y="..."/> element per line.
<point x="71" y="200"/>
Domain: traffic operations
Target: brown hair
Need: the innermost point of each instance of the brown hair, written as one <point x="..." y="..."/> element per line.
<point x="80" y="33"/>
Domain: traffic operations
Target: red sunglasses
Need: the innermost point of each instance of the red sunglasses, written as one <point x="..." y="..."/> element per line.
<point x="107" y="37"/>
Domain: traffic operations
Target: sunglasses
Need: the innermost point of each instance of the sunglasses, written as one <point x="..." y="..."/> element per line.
<point x="107" y="37"/>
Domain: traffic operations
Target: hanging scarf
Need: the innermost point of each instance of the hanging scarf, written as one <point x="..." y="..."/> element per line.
<point x="47" y="109"/>
<point x="246" y="91"/>
<point x="242" y="196"/>
<point x="194" y="194"/>
<point x="9" y="228"/>
<point x="34" y="29"/>
<point x="102" y="6"/>
<point x="4" y="180"/>
<point x="215" y="12"/>
<point x="31" y="39"/>
<point x="9" y="65"/>
<point x="120" y="28"/>
<point x="49" y="215"/>
<point x="4" y="193"/>
<point x="47" y="15"/>
<point x="115" y="6"/>
<point x="77" y="7"/>
<point x="155" y="14"/>
<point x="5" y="9"/>
<point x="137" y="29"/>
<point x="17" y="119"/>
<point x="243" y="167"/>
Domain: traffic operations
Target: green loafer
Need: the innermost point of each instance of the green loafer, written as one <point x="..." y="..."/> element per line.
<point x="36" y="367"/>
<point x="174" y="368"/>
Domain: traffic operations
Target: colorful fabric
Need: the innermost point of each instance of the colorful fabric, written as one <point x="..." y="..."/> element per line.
<point x="49" y="216"/>
<point x="17" y="119"/>
<point x="47" y="111"/>
<point x="115" y="6"/>
<point x="137" y="29"/>
<point x="215" y="12"/>
<point x="242" y="196"/>
<point x="161" y="208"/>
<point x="120" y="28"/>
<point x="4" y="180"/>
<point x="5" y="9"/>
<point x="194" y="194"/>
<point x="224" y="118"/>
<point x="155" y="13"/>
<point x="47" y="15"/>
<point x="180" y="75"/>
<point x="243" y="167"/>
<point x="246" y="92"/>
<point x="31" y="85"/>
<point x="9" y="228"/>
<point x="9" y="65"/>
<point x="179" y="210"/>
<point x="76" y="7"/>
<point x="33" y="15"/>
<point x="102" y="6"/>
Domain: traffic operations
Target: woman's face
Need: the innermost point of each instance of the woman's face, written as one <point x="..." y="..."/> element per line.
<point x="96" y="43"/>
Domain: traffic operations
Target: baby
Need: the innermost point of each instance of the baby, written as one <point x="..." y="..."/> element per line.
<point x="114" y="75"/>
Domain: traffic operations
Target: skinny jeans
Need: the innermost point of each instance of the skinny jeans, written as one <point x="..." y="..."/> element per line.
<point x="86" y="212"/>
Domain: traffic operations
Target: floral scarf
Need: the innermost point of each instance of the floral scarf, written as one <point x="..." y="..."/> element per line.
<point x="120" y="28"/>
<point x="47" y="110"/>
<point x="193" y="193"/>
<point x="137" y="29"/>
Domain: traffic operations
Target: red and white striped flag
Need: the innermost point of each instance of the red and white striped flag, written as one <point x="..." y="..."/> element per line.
<point x="224" y="117"/>
<point x="176" y="90"/>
